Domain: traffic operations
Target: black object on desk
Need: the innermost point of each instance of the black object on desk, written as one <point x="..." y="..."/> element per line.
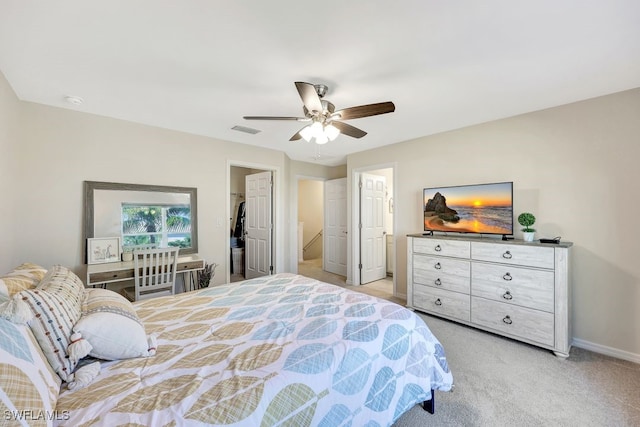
<point x="555" y="240"/>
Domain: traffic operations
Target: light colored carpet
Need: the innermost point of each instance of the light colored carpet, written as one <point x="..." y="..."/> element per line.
<point x="381" y="288"/>
<point x="503" y="382"/>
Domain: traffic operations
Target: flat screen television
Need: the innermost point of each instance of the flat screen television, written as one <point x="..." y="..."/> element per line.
<point x="479" y="208"/>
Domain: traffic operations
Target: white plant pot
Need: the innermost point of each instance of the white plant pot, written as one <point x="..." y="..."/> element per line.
<point x="528" y="236"/>
<point x="127" y="256"/>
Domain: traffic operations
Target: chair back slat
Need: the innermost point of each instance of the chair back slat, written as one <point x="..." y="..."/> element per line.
<point x="155" y="272"/>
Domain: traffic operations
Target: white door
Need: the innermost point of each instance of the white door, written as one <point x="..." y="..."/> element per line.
<point x="258" y="225"/>
<point x="335" y="226"/>
<point x="373" y="244"/>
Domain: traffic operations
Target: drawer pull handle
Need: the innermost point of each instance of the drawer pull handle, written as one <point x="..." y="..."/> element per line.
<point x="437" y="266"/>
<point x="438" y="282"/>
<point x="507" y="277"/>
<point x="438" y="248"/>
<point x="507" y="320"/>
<point x="115" y="275"/>
<point x="507" y="255"/>
<point x="438" y="302"/>
<point x="507" y="295"/>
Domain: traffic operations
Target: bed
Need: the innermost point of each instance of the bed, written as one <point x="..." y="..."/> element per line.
<point x="279" y="350"/>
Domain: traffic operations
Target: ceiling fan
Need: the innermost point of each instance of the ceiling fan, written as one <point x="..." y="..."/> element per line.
<point x="325" y="122"/>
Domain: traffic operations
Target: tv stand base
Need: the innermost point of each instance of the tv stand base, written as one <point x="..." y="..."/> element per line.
<point x="504" y="237"/>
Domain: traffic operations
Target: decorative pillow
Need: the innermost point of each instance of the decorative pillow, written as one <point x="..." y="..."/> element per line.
<point x="25" y="276"/>
<point x="28" y="385"/>
<point x="110" y="324"/>
<point x="55" y="306"/>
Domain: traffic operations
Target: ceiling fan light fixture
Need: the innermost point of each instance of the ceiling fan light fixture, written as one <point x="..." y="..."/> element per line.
<point x="307" y="133"/>
<point x="321" y="139"/>
<point x="331" y="132"/>
<point x="319" y="133"/>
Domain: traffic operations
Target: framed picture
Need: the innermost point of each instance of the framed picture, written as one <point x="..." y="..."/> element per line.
<point x="103" y="249"/>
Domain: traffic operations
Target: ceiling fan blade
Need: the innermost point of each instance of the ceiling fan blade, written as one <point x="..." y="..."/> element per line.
<point x="349" y="130"/>
<point x="365" y="110"/>
<point x="309" y="96"/>
<point x="299" y="119"/>
<point x="295" y="137"/>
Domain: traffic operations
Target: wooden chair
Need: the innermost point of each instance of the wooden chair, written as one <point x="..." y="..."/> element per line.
<point x="154" y="273"/>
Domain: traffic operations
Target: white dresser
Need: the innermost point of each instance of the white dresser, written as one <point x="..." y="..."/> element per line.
<point x="512" y="288"/>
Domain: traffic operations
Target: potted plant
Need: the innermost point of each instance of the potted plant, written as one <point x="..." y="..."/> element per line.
<point x="526" y="220"/>
<point x="127" y="253"/>
<point x="205" y="276"/>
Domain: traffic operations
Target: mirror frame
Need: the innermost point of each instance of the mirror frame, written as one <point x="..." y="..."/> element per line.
<point x="91" y="186"/>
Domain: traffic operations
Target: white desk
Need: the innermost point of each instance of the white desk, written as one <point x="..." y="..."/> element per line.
<point x="112" y="272"/>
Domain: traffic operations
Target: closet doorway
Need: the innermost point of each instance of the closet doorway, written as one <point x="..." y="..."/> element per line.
<point x="250" y="237"/>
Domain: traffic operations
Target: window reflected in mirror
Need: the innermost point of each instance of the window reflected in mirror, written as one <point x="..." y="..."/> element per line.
<point x="158" y="225"/>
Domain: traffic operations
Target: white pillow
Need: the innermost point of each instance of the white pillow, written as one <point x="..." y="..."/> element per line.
<point x="110" y="324"/>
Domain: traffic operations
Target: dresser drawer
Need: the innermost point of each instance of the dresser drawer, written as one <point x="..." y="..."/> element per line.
<point x="444" y="273"/>
<point x="514" y="285"/>
<point x="530" y="256"/>
<point x="452" y="248"/>
<point x="439" y="301"/>
<point x="522" y="322"/>
<point x="110" y="276"/>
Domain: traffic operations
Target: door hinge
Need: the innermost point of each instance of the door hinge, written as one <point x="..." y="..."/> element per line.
<point x="271" y="269"/>
<point x="360" y="266"/>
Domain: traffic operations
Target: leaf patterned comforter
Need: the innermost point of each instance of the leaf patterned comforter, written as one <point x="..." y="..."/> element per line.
<point x="278" y="350"/>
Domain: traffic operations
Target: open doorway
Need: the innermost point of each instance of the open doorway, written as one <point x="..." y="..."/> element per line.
<point x="310" y="226"/>
<point x="322" y="229"/>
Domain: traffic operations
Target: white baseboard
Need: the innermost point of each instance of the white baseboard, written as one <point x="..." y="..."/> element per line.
<point x="608" y="351"/>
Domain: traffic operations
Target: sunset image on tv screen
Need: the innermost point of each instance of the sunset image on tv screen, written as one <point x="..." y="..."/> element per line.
<point x="482" y="208"/>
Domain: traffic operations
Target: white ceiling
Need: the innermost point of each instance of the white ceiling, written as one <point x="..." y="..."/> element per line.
<point x="198" y="66"/>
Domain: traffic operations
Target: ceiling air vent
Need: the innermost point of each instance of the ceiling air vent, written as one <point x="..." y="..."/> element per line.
<point x="245" y="129"/>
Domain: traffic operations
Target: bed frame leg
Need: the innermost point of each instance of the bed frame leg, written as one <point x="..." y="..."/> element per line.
<point x="430" y="405"/>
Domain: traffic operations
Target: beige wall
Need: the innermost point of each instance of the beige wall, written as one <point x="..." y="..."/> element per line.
<point x="58" y="149"/>
<point x="576" y="168"/>
<point x="9" y="176"/>
<point x="311" y="213"/>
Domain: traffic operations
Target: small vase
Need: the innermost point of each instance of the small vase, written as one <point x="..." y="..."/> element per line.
<point x="127" y="256"/>
<point x="528" y="236"/>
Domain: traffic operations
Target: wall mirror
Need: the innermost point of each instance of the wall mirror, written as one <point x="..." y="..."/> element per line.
<point x="142" y="214"/>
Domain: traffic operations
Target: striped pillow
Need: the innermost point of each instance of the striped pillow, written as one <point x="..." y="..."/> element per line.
<point x="25" y="276"/>
<point x="56" y="306"/>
